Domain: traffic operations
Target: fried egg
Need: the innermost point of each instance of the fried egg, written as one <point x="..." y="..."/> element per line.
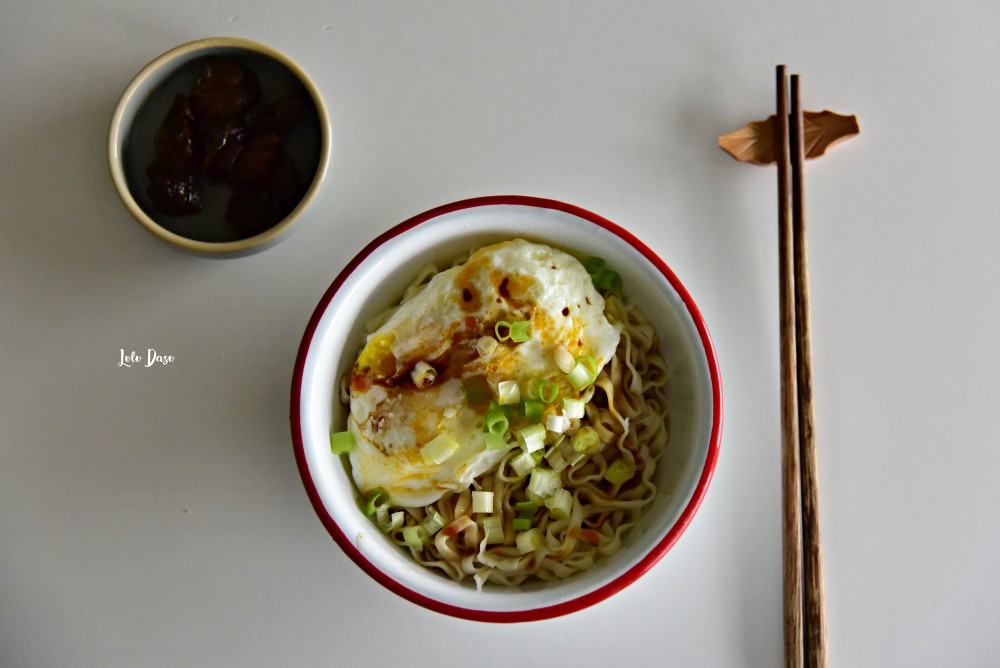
<point x="395" y="413"/>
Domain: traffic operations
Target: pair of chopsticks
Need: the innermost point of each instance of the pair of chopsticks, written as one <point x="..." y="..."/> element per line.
<point x="804" y="627"/>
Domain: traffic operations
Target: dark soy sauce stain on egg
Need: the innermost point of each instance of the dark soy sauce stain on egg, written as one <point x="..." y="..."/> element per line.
<point x="470" y="299"/>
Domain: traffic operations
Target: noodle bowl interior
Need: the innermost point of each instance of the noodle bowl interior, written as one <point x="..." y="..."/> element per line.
<point x="507" y="416"/>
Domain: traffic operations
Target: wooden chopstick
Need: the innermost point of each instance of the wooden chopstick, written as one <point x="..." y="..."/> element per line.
<point x="812" y="557"/>
<point x="791" y="499"/>
<point x="802" y="558"/>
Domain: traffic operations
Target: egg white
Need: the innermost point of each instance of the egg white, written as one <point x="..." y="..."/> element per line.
<point x="391" y="420"/>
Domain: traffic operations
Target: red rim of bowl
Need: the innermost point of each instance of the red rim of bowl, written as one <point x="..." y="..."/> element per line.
<point x="585" y="600"/>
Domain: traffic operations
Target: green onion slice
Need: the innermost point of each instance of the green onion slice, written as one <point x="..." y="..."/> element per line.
<point x="526" y="509"/>
<point x="532" y="390"/>
<point x="520" y="331"/>
<point x="395" y="521"/>
<point x="585" y="439"/>
<point x="341" y="442"/>
<point x="496" y="441"/>
<point x="584" y="372"/>
<point x="482" y="502"/>
<point x="529" y="541"/>
<point x="433" y="523"/>
<point x="509" y="393"/>
<point x="376" y="498"/>
<point x="496" y="421"/>
<point x="522" y="524"/>
<point x="440" y="448"/>
<point x="502" y="330"/>
<point x="560" y="504"/>
<point x="573" y="408"/>
<point x="533" y="410"/>
<point x="619" y="472"/>
<point x="532" y="437"/>
<point x="557" y="424"/>
<point x="607" y="279"/>
<point x="556" y="460"/>
<point x="493" y="526"/>
<point x="593" y="264"/>
<point x="604" y="277"/>
<point x="543" y="483"/>
<point x="523" y="463"/>
<point x="548" y="391"/>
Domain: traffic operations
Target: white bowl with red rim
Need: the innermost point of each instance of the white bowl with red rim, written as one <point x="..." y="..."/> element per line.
<point x="376" y="278"/>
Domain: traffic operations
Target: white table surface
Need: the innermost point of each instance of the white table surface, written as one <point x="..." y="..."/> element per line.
<point x="155" y="516"/>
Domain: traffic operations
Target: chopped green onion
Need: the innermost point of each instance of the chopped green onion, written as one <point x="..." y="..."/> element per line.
<point x="520" y="331"/>
<point x="509" y="393"/>
<point x="619" y="472"/>
<point x="439" y="449"/>
<point x="522" y="524"/>
<point x="493" y="527"/>
<point x="496" y="421"/>
<point x="526" y="509"/>
<point x="548" y="391"/>
<point x="556" y="460"/>
<point x="532" y="437"/>
<point x="341" y="442"/>
<point x="423" y="375"/>
<point x="496" y="441"/>
<point x="544" y="390"/>
<point x="543" y="483"/>
<point x="415" y="536"/>
<point x="482" y="502"/>
<point x="538" y="456"/>
<point x="395" y="521"/>
<point x="486" y="345"/>
<point x="586" y="439"/>
<point x="505" y="327"/>
<point x="506" y="410"/>
<point x="604" y="277"/>
<point x="532" y="388"/>
<point x="560" y="503"/>
<point x="376" y="498"/>
<point x="433" y="523"/>
<point x="564" y="446"/>
<point x="583" y="373"/>
<point x="533" y="410"/>
<point x="523" y="463"/>
<point x="563" y="359"/>
<point x="593" y="264"/>
<point x="529" y="541"/>
<point x="557" y="424"/>
<point x="607" y="279"/>
<point x="573" y="408"/>
<point x="382" y="516"/>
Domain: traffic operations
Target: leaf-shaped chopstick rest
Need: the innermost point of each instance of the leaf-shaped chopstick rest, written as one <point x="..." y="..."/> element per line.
<point x="755" y="142"/>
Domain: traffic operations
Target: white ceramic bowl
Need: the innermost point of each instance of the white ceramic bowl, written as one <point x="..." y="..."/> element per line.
<point x="376" y="278"/>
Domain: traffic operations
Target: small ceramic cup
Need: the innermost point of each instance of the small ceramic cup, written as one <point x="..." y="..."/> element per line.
<point x="143" y="109"/>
